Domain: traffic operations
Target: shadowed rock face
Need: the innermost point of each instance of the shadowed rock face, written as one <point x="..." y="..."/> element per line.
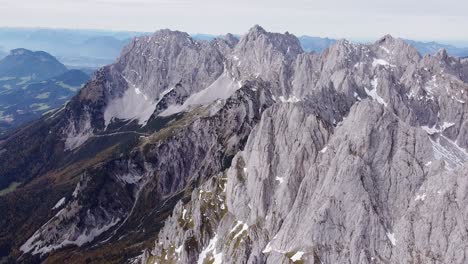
<point x="250" y="151"/>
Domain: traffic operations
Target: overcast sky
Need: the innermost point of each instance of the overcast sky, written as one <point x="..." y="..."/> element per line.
<point x="354" y="19"/>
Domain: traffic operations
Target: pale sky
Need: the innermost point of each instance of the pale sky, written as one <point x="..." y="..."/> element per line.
<point x="353" y="19"/>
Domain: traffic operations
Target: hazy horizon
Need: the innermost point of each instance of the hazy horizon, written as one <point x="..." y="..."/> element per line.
<point x="362" y="20"/>
<point x="456" y="43"/>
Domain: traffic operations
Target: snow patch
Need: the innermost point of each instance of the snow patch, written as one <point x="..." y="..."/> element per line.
<point x="217" y="258"/>
<point x="430" y="130"/>
<point x="268" y="248"/>
<point x="448" y="151"/>
<point x="356" y="95"/>
<point x="35" y="245"/>
<point x="243" y="229"/>
<point x="77" y="190"/>
<point x="433" y="130"/>
<point x="391" y="237"/>
<point x="163" y="93"/>
<point x="358" y="64"/>
<point x="420" y="197"/>
<point x="292" y="99"/>
<point x="446" y="125"/>
<point x="297" y="256"/>
<point x="381" y="62"/>
<point x="375" y="83"/>
<point x="59" y="203"/>
<point x="324" y="149"/>
<point x="385" y="49"/>
<point x="179" y="249"/>
<point x="279" y="179"/>
<point x="373" y="93"/>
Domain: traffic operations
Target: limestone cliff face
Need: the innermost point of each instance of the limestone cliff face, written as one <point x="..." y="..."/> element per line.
<point x="355" y="170"/>
<point x="251" y="150"/>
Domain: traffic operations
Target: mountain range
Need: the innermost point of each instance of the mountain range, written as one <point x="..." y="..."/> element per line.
<point x="77" y="48"/>
<point x="319" y="44"/>
<point x="32" y="83"/>
<point x="433" y="47"/>
<point x="246" y="150"/>
<point x="90" y="49"/>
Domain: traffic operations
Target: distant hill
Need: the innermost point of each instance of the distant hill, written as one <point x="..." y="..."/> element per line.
<point x="206" y="37"/>
<point x="79" y="48"/>
<point x="432" y="47"/>
<point x="316" y="44"/>
<point x="103" y="47"/>
<point x="32" y="83"/>
<point x="35" y="65"/>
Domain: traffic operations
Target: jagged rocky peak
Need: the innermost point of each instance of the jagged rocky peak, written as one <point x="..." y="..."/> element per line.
<point x="442" y="54"/>
<point x="266" y="55"/>
<point x="230" y="38"/>
<point x="161" y="37"/>
<point x="225" y="43"/>
<point x="158" y="62"/>
<point x="441" y="62"/>
<point x="396" y="50"/>
<point x="446" y="61"/>
<point x="464" y="60"/>
<point x="390" y="42"/>
<point x="342" y="54"/>
<point x="258" y="38"/>
<point x="168" y="61"/>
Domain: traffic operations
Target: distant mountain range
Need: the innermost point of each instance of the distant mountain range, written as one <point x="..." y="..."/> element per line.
<point x="432" y="47"/>
<point x="91" y="49"/>
<point x="84" y="48"/>
<point x="32" y="83"/>
<point x="318" y="44"/>
<point x="38" y="65"/>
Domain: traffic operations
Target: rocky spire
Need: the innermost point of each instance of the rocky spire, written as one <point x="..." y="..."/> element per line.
<point x="258" y="38"/>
